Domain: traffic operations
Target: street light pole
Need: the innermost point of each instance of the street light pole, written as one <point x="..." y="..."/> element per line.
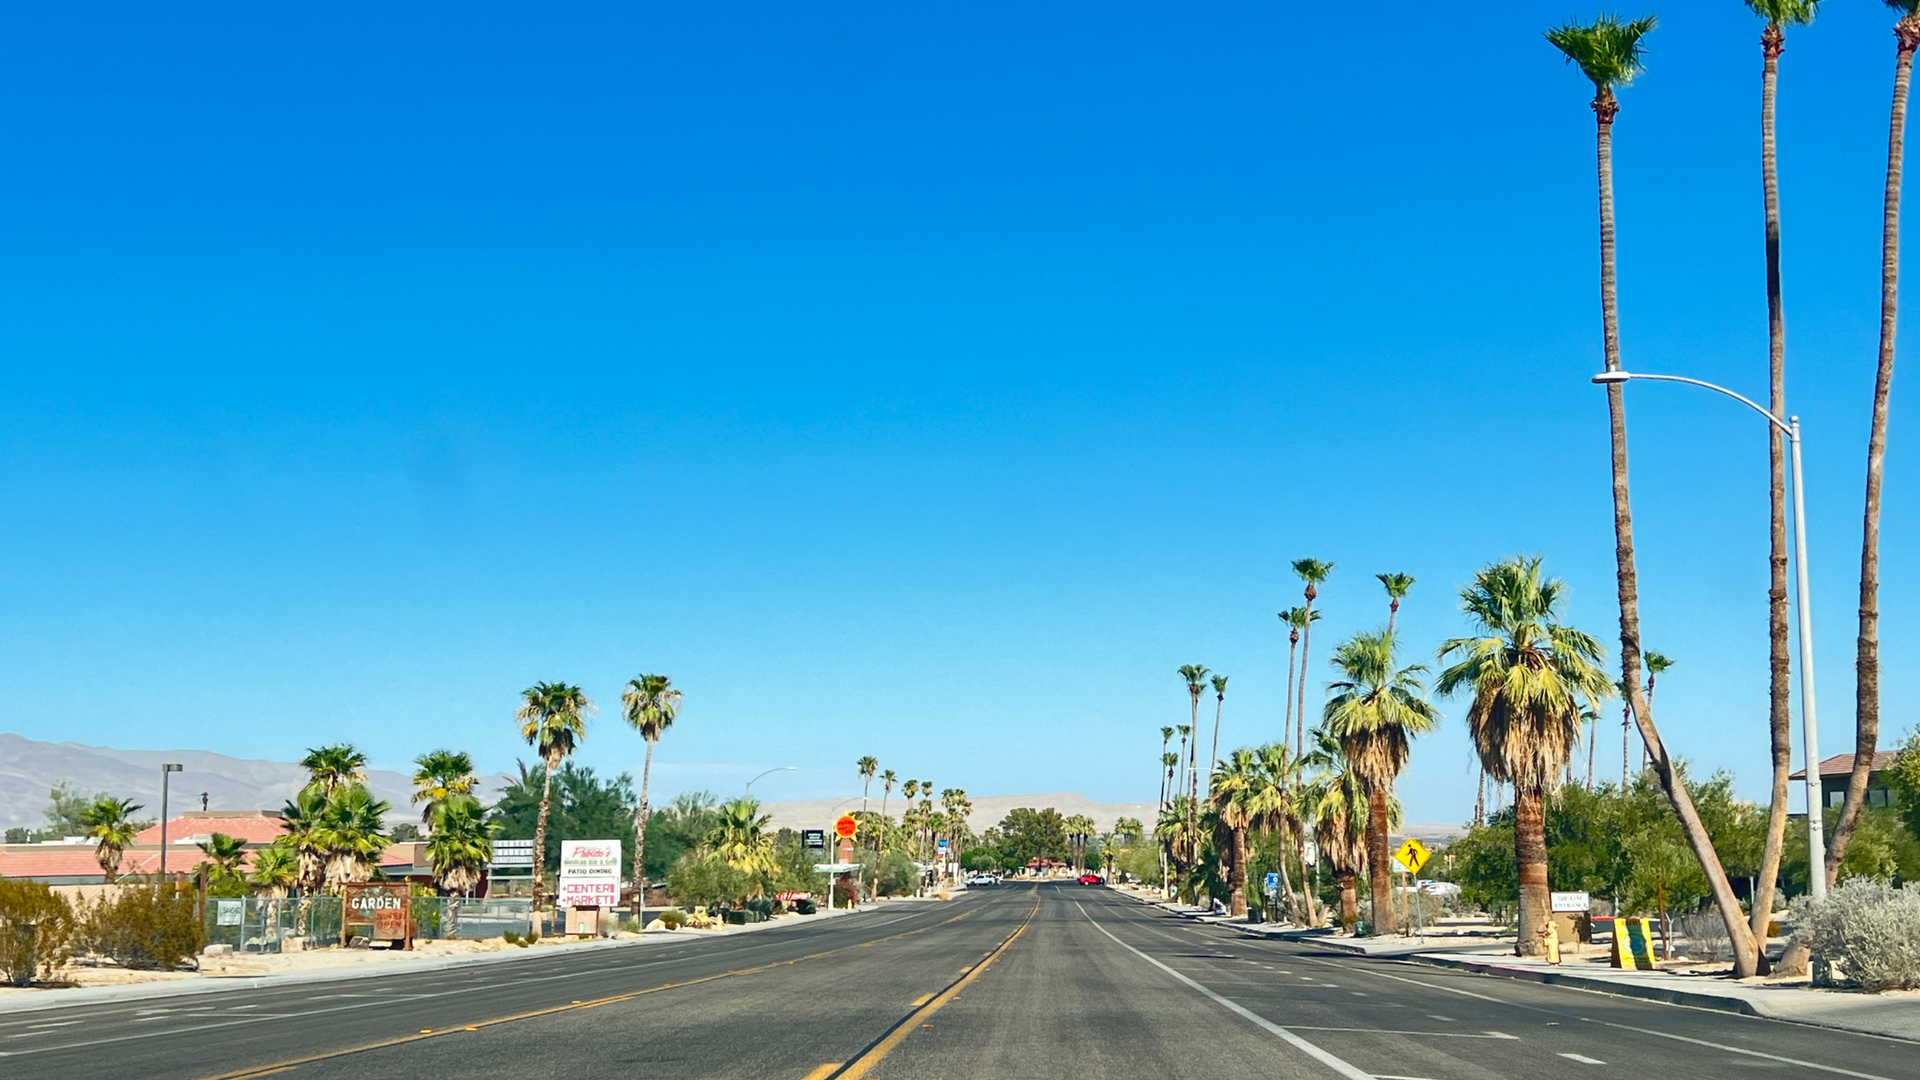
<point x="1809" y="714"/>
<point x="164" y="771"/>
<point x="769" y="772"/>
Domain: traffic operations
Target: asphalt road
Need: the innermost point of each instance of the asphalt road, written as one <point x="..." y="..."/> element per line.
<point x="1019" y="981"/>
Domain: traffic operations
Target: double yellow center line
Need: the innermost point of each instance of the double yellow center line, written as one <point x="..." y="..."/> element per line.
<point x="858" y="1068"/>
<point x="431" y="1033"/>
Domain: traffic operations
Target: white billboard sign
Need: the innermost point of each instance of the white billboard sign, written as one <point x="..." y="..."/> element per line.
<point x="589" y="873"/>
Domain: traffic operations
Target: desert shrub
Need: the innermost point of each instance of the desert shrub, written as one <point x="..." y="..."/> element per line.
<point x="897" y="875"/>
<point x="1706" y="935"/>
<point x="150" y="925"/>
<point x="1870" y="928"/>
<point x="673" y="918"/>
<point x="707" y="879"/>
<point x="36" y="931"/>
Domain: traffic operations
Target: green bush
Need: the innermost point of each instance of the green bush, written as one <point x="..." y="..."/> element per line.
<point x="36" y="931"/>
<point x="673" y="918"/>
<point x="703" y="880"/>
<point x="1870" y="929"/>
<point x="149" y="926"/>
<point x="897" y="876"/>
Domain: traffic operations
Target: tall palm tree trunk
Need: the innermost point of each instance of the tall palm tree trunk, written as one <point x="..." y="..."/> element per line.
<point x="1593" y="738"/>
<point x="640" y="838"/>
<point x="1530" y="854"/>
<point x="1213" y="760"/>
<point x="1286" y="876"/>
<point x="540" y="837"/>
<point x="1293" y="648"/>
<point x="1193" y="786"/>
<point x="1605" y="108"/>
<point x="1300" y="707"/>
<point x="1349" y="897"/>
<point x="1377" y="866"/>
<point x="1237" y="877"/>
<point x="1867" y="661"/>
<point x="1780" y="712"/>
<point x="1480" y="799"/>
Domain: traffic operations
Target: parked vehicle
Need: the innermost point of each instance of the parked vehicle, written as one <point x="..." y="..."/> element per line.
<point x="1091" y="879"/>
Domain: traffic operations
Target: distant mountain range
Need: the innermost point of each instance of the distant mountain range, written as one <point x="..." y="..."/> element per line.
<point x="28" y="768"/>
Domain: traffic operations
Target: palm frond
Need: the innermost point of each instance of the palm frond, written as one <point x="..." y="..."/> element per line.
<point x="1608" y="50"/>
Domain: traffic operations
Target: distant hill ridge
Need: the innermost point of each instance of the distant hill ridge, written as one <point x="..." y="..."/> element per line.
<point x="28" y="767"/>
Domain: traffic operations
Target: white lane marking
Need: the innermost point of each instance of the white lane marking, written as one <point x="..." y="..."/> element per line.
<point x="1744" y="1050"/>
<point x="1336" y="1064"/>
<point x="1581" y="1058"/>
<point x="1421" y="1034"/>
<point x="1358" y="993"/>
<point x="1430" y="986"/>
<point x="1644" y="1031"/>
<point x="55" y="1023"/>
<point x="1442" y="1019"/>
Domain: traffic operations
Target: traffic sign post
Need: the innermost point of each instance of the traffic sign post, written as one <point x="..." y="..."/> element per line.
<point x="1411" y="855"/>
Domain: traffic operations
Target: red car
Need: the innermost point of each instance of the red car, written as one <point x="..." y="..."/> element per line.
<point x="1091" y="879"/>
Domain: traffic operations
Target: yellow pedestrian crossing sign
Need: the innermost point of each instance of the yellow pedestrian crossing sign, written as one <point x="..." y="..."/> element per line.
<point x="1412" y="855"/>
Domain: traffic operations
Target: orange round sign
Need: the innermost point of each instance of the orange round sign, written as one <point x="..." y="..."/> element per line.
<point x="846" y="826"/>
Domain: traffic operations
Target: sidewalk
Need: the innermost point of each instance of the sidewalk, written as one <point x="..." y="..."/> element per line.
<point x="1895" y="1014"/>
<point x="29" y="1000"/>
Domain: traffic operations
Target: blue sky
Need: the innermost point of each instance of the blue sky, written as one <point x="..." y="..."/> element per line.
<point x="923" y="383"/>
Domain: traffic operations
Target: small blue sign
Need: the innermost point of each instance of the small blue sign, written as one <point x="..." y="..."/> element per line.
<point x="1273" y="882"/>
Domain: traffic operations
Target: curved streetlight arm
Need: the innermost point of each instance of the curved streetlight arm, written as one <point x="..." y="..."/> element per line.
<point x="1607" y="377"/>
<point x="769" y="772"/>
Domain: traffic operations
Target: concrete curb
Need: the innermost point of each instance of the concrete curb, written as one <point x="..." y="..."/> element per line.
<point x="34" y="1001"/>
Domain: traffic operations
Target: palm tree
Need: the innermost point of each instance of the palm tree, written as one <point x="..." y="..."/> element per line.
<point x="868" y="767"/>
<point x="109" y="823"/>
<point x="1376" y="710"/>
<point x="1233" y="793"/>
<point x="1657" y="664"/>
<point x="331" y="768"/>
<point x="553" y="719"/>
<point x="1195" y="676"/>
<point x="1275" y="802"/>
<point x="1082" y="826"/>
<point x="1608" y="52"/>
<point x="739" y="838"/>
<point x="352" y="834"/>
<point x="438" y="776"/>
<point x="1166" y="736"/>
<point x="1779" y="15"/>
<point x="1290" y="619"/>
<point x="1313" y="572"/>
<point x="1866" y="722"/>
<point x="276" y="868"/>
<point x="910" y="789"/>
<point x="887" y="779"/>
<point x="1219" y="702"/>
<point x="1397" y="586"/>
<point x="1336" y="805"/>
<point x="1529" y="674"/>
<point x="650" y="704"/>
<point x="224" y="855"/>
<point x="304" y="821"/>
<point x="461" y="845"/>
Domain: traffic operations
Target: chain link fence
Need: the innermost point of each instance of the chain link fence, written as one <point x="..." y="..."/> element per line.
<point x="291" y="924"/>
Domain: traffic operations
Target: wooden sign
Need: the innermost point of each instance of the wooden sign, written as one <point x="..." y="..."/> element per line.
<point x="380" y="910"/>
